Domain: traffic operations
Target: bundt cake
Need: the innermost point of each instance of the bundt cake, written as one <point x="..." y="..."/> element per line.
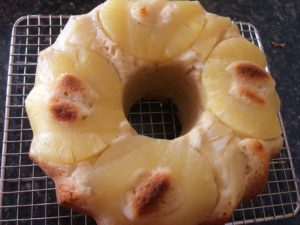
<point x="104" y="61"/>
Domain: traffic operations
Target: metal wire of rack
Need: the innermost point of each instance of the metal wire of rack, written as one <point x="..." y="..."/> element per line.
<point x="27" y="195"/>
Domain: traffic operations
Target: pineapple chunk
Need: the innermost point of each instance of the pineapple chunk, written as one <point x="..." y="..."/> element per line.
<point x="154" y="168"/>
<point x="259" y="121"/>
<point x="215" y="27"/>
<point x="153" y="30"/>
<point x="75" y="90"/>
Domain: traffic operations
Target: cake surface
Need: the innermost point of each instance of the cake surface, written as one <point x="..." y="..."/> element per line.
<point x="122" y="51"/>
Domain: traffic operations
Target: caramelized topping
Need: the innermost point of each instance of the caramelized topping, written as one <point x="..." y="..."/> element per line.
<point x="145" y="197"/>
<point x="143" y="11"/>
<point x="251" y="95"/>
<point x="72" y="100"/>
<point x="251" y="73"/>
<point x="257" y="146"/>
<point x="70" y="84"/>
<point x="250" y="84"/>
<point x="64" y="111"/>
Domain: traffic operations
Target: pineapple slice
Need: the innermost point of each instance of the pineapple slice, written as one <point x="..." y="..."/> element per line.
<point x="236" y="49"/>
<point x="67" y="147"/>
<point x="238" y="90"/>
<point x="231" y="31"/>
<point x="153" y="30"/>
<point x="157" y="182"/>
<point x="79" y="31"/>
<point x="75" y="90"/>
<point x="215" y="27"/>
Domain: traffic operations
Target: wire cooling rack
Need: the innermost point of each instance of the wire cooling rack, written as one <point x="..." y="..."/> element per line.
<point x="27" y="195"/>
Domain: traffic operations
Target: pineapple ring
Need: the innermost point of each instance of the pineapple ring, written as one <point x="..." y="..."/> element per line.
<point x="102" y="62"/>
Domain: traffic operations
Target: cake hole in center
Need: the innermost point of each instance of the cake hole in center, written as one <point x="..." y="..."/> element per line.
<point x="162" y="101"/>
<point x="155" y="118"/>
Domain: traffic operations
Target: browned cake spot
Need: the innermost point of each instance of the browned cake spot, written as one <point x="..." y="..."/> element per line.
<point x="147" y="196"/>
<point x="63" y="111"/>
<point x="257" y="169"/>
<point x="257" y="146"/>
<point x="70" y="99"/>
<point x="66" y="192"/>
<point x="251" y="73"/>
<point x="68" y="195"/>
<point x="143" y="12"/>
<point x="250" y="84"/>
<point x="148" y="193"/>
<point x="251" y="95"/>
<point x="70" y="84"/>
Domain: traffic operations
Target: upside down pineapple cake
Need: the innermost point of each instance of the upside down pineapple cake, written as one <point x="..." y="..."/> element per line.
<point x="102" y="62"/>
